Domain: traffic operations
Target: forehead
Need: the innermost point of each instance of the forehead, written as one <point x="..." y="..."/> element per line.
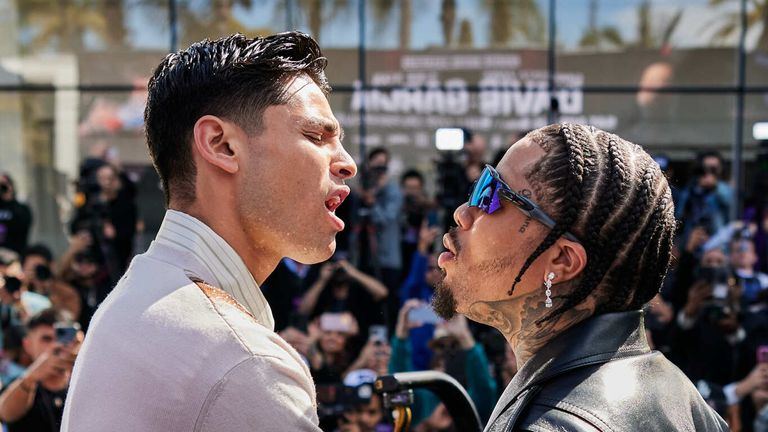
<point x="518" y="160"/>
<point x="308" y="106"/>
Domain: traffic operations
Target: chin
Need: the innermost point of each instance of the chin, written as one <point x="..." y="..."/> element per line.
<point x="316" y="254"/>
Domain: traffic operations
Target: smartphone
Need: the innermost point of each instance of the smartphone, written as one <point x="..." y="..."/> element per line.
<point x="66" y="332"/>
<point x="424" y="314"/>
<point x="337" y="322"/>
<point x="762" y="354"/>
<point x="378" y="334"/>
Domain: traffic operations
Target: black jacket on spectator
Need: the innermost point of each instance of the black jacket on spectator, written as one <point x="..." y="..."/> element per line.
<point x="601" y="375"/>
<point x="15" y="222"/>
<point x="45" y="413"/>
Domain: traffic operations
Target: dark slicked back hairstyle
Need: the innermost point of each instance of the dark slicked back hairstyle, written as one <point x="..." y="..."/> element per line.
<point x="235" y="78"/>
<point x="613" y="196"/>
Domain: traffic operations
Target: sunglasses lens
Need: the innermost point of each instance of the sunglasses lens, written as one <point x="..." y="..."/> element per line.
<point x="485" y="194"/>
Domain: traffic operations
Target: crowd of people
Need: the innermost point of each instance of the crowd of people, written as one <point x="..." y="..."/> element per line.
<point x="366" y="313"/>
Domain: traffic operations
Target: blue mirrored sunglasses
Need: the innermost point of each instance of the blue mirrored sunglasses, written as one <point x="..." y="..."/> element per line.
<point x="489" y="189"/>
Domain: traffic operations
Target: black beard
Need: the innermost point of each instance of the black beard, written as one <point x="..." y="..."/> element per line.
<point x="443" y="301"/>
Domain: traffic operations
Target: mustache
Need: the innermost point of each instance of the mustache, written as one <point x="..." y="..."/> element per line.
<point x="453" y="233"/>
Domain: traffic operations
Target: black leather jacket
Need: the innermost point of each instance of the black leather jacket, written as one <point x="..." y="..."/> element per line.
<point x="601" y="375"/>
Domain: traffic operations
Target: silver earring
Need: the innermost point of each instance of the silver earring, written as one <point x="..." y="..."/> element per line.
<point x="548" y="292"/>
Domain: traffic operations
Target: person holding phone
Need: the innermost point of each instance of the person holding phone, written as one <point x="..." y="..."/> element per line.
<point x="251" y="161"/>
<point x="35" y="401"/>
<point x="455" y="352"/>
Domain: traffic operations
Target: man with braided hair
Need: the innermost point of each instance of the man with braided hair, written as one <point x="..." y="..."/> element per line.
<point x="559" y="250"/>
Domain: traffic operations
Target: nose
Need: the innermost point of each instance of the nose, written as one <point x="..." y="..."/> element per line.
<point x="463" y="216"/>
<point x="343" y="166"/>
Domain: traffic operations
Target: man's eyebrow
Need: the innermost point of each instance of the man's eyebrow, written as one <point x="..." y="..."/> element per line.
<point x="328" y="126"/>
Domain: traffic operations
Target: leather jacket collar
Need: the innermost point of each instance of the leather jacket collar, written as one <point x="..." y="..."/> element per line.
<point x="596" y="340"/>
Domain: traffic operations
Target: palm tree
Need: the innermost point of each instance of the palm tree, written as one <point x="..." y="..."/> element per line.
<point x="515" y="21"/>
<point x="317" y="15"/>
<point x="447" y="20"/>
<point x="61" y="24"/>
<point x="595" y="36"/>
<point x="648" y="37"/>
<point x="757" y="13"/>
<point x="466" y="40"/>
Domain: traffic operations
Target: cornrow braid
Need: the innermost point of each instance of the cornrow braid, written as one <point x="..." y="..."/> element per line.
<point x="573" y="184"/>
<point x="613" y="189"/>
<point x="636" y="213"/>
<point x="626" y="227"/>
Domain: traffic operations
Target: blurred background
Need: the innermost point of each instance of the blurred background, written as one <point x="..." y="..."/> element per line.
<point x="686" y="79"/>
<point x="73" y="76"/>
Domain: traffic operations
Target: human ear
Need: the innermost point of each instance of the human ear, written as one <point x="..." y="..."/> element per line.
<point x="216" y="142"/>
<point x="567" y="260"/>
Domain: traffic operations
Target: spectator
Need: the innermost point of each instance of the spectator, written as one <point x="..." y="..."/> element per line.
<point x="474" y="149"/>
<point x="417" y="210"/>
<point x="456" y="353"/>
<point x="367" y="414"/>
<point x="283" y="290"/>
<point x="83" y="270"/>
<point x="13" y="358"/>
<point x="382" y="203"/>
<point x="419" y="285"/>
<point x="707" y="200"/>
<point x="17" y="302"/>
<point x="330" y="355"/>
<point x="35" y="402"/>
<point x="341" y="287"/>
<point x="15" y="217"/>
<point x="40" y="278"/>
<point x="110" y="214"/>
<point x="710" y="326"/>
<point x="743" y="259"/>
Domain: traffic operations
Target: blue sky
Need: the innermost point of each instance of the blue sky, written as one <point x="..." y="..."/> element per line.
<point x="148" y="26"/>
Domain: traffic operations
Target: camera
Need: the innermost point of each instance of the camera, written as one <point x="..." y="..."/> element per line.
<point x="371" y="176"/>
<point x="43" y="273"/>
<point x="12" y="284"/>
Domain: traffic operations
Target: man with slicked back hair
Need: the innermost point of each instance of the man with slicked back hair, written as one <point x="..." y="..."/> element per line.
<point x="250" y="158"/>
<point x="559" y="247"/>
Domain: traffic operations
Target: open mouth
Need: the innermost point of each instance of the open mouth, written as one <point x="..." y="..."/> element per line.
<point x="332" y="202"/>
<point x="336" y="199"/>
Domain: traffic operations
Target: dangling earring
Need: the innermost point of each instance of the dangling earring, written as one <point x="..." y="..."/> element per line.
<point x="548" y="292"/>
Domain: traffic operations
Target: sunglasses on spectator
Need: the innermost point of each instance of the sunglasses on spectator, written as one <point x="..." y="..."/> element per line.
<point x="488" y="191"/>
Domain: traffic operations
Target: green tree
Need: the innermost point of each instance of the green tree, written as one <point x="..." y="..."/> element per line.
<point x="730" y="24"/>
<point x="515" y="22"/>
<point x="61" y="24"/>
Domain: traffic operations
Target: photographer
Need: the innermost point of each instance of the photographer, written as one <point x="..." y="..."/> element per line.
<point x="35" y="401"/>
<point x="83" y="270"/>
<point x="110" y="214"/>
<point x="15" y="217"/>
<point x="382" y="203"/>
<point x="707" y="200"/>
<point x="417" y="210"/>
<point x="39" y="278"/>
<point x="710" y="324"/>
<point x="340" y="287"/>
<point x="743" y="259"/>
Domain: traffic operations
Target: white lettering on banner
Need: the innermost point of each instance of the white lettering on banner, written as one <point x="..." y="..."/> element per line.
<point x="502" y="93"/>
<point x="453" y="99"/>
